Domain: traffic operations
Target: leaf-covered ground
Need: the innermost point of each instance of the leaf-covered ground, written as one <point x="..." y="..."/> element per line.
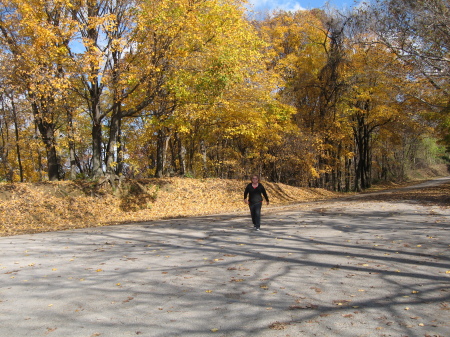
<point x="51" y="206"/>
<point x="32" y="208"/>
<point x="435" y="195"/>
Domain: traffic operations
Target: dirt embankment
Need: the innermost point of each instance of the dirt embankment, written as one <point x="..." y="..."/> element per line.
<point x="50" y="206"/>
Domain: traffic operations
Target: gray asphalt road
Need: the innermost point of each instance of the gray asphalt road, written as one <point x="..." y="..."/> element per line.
<point x="336" y="268"/>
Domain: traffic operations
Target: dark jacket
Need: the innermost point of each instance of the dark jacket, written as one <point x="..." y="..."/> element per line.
<point x="255" y="194"/>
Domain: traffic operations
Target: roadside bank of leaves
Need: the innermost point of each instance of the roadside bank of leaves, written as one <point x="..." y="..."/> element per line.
<point x="51" y="206"/>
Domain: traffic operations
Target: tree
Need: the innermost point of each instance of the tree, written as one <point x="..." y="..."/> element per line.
<point x="31" y="35"/>
<point x="214" y="51"/>
<point x="376" y="79"/>
<point x="307" y="50"/>
<point x="418" y="32"/>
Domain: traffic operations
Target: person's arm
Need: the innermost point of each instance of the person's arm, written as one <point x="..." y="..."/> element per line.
<point x="246" y="194"/>
<point x="263" y="190"/>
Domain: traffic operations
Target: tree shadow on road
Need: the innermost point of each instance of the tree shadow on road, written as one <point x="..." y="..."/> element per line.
<point x="333" y="269"/>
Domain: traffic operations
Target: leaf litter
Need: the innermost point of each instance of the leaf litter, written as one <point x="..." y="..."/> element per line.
<point x="27" y="208"/>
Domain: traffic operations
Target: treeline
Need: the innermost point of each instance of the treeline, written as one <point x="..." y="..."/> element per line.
<point x="151" y="88"/>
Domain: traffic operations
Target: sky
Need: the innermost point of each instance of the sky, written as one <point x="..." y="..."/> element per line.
<point x="294" y="5"/>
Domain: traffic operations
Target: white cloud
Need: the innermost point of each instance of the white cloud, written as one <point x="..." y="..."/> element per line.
<point x="277" y="4"/>
<point x="291" y="6"/>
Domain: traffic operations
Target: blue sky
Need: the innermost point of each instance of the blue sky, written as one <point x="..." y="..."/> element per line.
<point x="293" y="5"/>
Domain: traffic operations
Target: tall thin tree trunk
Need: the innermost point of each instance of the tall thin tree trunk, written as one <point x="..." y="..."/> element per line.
<point x="72" y="153"/>
<point x="16" y="130"/>
<point x="111" y="159"/>
<point x="181" y="154"/>
<point x="161" y="152"/>
<point x="97" y="162"/>
<point x="4" y="126"/>
<point x="120" y="148"/>
<point x="204" y="158"/>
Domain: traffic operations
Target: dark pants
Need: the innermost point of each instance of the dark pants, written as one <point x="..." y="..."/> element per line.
<point x="255" y="211"/>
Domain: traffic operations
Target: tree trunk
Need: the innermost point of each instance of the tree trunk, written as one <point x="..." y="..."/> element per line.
<point x="161" y="152"/>
<point x="16" y="130"/>
<point x="359" y="157"/>
<point x="204" y="158"/>
<point x="47" y="131"/>
<point x="181" y="155"/>
<point x="362" y="135"/>
<point x="348" y="170"/>
<point x="111" y="160"/>
<point x="72" y="153"/>
<point x="97" y="169"/>
<point x="367" y="159"/>
<point x="4" y="129"/>
<point x="120" y="149"/>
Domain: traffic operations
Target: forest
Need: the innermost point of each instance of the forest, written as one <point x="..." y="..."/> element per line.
<point x="112" y="89"/>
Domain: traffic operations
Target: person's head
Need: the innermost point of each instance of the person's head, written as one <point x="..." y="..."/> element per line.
<point x="255" y="178"/>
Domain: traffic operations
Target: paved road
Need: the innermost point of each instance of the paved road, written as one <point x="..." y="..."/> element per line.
<point x="336" y="268"/>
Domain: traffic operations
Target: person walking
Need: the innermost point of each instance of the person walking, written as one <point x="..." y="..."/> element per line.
<point x="255" y="192"/>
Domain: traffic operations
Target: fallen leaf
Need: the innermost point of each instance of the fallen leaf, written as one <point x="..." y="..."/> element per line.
<point x="278" y="326"/>
<point x="341" y="302"/>
<point x="307" y="306"/>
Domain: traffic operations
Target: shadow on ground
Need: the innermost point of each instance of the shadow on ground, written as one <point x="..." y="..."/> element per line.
<point x="339" y="268"/>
